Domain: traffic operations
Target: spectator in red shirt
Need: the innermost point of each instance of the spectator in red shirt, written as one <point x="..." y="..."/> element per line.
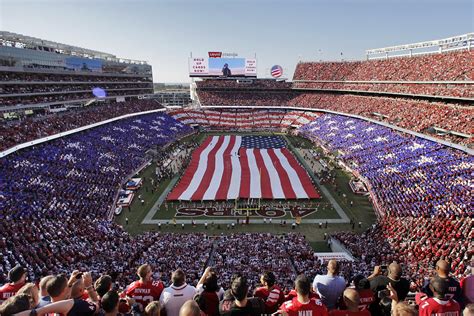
<point x="439" y="304"/>
<point x="302" y="304"/>
<point x="270" y="293"/>
<point x="145" y="290"/>
<point x="17" y="277"/>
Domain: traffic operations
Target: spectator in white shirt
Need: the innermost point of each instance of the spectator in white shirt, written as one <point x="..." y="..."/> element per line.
<point x="174" y="296"/>
<point x="330" y="286"/>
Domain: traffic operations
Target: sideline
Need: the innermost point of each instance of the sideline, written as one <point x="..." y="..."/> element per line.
<point x="324" y="190"/>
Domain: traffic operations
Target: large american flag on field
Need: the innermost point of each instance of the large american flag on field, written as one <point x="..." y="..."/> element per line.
<point x="231" y="167"/>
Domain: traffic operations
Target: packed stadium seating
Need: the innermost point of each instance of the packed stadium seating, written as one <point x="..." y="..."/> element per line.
<point x="55" y="97"/>
<point x="418" y="241"/>
<point x="75" y="180"/>
<point x="416" y="115"/>
<point x="429" y="70"/>
<point x="409" y="176"/>
<point x="15" y="77"/>
<point x="74" y="176"/>
<point x="243" y="119"/>
<point x="27" y="129"/>
<point x="267" y="84"/>
<point x="457" y="89"/>
<point x="442" y="67"/>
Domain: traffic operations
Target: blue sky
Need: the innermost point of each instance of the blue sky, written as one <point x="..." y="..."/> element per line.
<point x="278" y="32"/>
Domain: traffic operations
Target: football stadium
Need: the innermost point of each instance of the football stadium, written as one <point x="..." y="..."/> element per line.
<point x="338" y="187"/>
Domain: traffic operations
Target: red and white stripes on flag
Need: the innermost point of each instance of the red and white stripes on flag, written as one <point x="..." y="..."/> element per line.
<point x="220" y="169"/>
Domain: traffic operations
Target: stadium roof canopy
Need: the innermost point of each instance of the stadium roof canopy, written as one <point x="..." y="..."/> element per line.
<point x="465" y="41"/>
<point x="29" y="42"/>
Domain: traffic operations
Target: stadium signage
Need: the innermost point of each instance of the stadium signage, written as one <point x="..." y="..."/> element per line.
<point x="222" y="66"/>
<point x="221" y="54"/>
<point x="215" y="54"/>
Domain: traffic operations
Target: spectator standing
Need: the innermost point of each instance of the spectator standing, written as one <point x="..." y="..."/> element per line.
<point x="379" y="282"/>
<point x="330" y="286"/>
<point x="439" y="304"/>
<point x="269" y="292"/>
<point x="454" y="288"/>
<point x="145" y="289"/>
<point x="174" y="296"/>
<point x="303" y="304"/>
<point x="237" y="303"/>
<point x="17" y="277"/>
<point x="209" y="293"/>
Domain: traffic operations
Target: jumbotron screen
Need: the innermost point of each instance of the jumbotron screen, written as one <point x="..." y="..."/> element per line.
<point x="222" y="67"/>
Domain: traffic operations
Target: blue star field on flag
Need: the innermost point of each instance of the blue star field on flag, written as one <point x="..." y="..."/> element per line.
<point x="263" y="142"/>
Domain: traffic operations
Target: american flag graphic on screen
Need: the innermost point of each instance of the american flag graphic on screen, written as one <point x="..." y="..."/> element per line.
<point x="241" y="167"/>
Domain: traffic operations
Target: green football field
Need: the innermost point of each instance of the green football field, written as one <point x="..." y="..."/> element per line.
<point x="323" y="218"/>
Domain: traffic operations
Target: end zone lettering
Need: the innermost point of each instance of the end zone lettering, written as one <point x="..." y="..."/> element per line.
<point x="229" y="212"/>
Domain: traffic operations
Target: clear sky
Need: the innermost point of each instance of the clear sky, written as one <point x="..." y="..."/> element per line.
<point x="278" y="32"/>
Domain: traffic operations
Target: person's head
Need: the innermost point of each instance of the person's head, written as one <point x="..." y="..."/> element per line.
<point x="32" y="290"/>
<point x="210" y="282"/>
<point x="110" y="302"/>
<point x="385" y="305"/>
<point x="226" y="65"/>
<point x="394" y="271"/>
<point x="144" y="272"/>
<point x="469" y="310"/>
<point x="57" y="288"/>
<point x="268" y="279"/>
<point x="333" y="267"/>
<point x="302" y="285"/>
<point x="15" y="304"/>
<point x="442" y="268"/>
<point x="190" y="308"/>
<point x="42" y="285"/>
<point x="17" y="275"/>
<point x="239" y="288"/>
<point x="403" y="309"/>
<point x="153" y="309"/>
<point x="361" y="283"/>
<point x="351" y="299"/>
<point x="178" y="277"/>
<point x="439" y="286"/>
<point x="77" y="289"/>
<point x="103" y="284"/>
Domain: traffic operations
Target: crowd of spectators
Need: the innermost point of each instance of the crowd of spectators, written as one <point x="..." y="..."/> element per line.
<point x="409" y="176"/>
<point x="246" y="97"/>
<point x="410" y="114"/>
<point x="417" y="241"/>
<point x="384" y="292"/>
<point x="433" y="75"/>
<point x="55" y="198"/>
<point x="79" y="175"/>
<point x="55" y="97"/>
<point x="416" y="115"/>
<point x="27" y="129"/>
<point x="458" y="89"/>
<point x="266" y="84"/>
<point x="69" y="87"/>
<point x="453" y="66"/>
<point x="11" y="76"/>
<point x="421" y="189"/>
<point x="244" y="119"/>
